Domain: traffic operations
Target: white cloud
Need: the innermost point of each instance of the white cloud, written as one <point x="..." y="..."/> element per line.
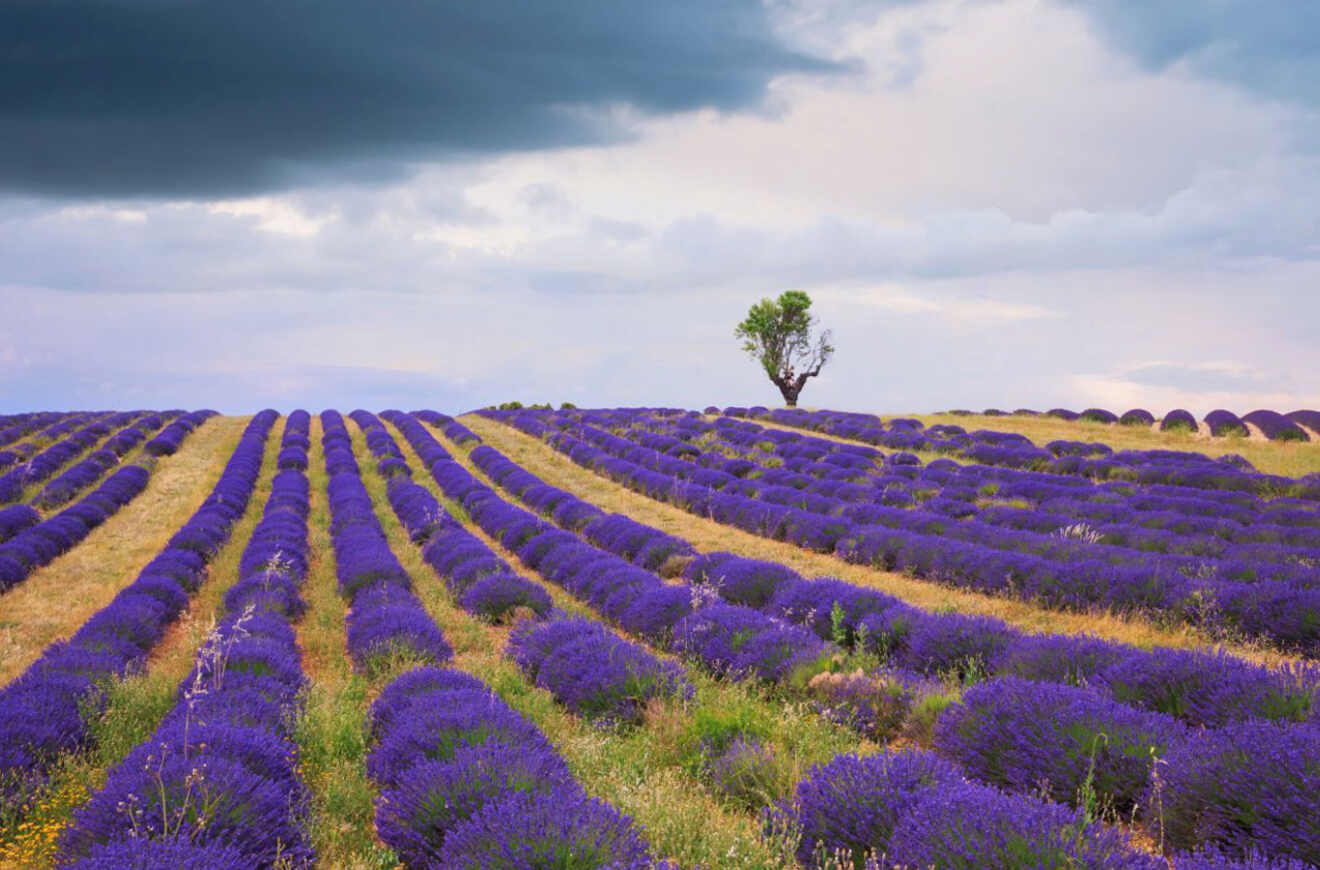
<point x="1119" y="395"/>
<point x="273" y="215"/>
<point x="898" y="300"/>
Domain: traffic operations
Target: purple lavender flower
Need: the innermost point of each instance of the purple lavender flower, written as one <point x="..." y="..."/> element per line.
<point x="750" y="582"/>
<point x="435" y="731"/>
<point x="1223" y="423"/>
<point x="131" y="853"/>
<point x="1137" y="417"/>
<point x="740" y="642"/>
<point x="1073" y="660"/>
<point x="561" y="828"/>
<point x="849" y="807"/>
<point x="594" y="672"/>
<point x="965" y="825"/>
<point x="1178" y="420"/>
<point x="494" y="598"/>
<point x="1019" y="734"/>
<point x="422" y="684"/>
<point x="1212" y="688"/>
<point x="431" y="798"/>
<point x="1244" y="787"/>
<point x="1276" y="426"/>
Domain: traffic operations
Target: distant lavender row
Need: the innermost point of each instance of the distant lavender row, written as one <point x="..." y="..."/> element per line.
<point x="26" y="424"/>
<point x="168" y="441"/>
<point x="385" y="619"/>
<point x="1221" y="422"/>
<point x="37" y="544"/>
<point x="1016" y="451"/>
<point x="42" y="543"/>
<point x="1287" y="614"/>
<point x="50" y="460"/>
<point x="454" y="430"/>
<point x="1019" y="733"/>
<point x="40" y="712"/>
<point x="218" y="778"/>
<point x="15" y="426"/>
<point x="727" y="640"/>
<point x="1276" y="426"/>
<point x="15" y="518"/>
<point x="944" y="490"/>
<point x="467" y="782"/>
<point x="53" y="426"/>
<point x="802" y="452"/>
<point x="86" y="472"/>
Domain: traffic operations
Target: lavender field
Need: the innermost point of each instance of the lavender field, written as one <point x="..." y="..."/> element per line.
<point x="657" y="637"/>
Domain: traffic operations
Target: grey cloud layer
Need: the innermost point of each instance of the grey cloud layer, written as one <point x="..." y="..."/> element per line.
<point x="1272" y="47"/>
<point x="190" y="98"/>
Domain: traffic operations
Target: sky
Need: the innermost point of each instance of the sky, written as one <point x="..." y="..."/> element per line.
<point x="445" y="204"/>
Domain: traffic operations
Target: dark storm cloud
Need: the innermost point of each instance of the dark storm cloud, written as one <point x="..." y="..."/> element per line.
<point x="192" y="98"/>
<point x="1271" y="47"/>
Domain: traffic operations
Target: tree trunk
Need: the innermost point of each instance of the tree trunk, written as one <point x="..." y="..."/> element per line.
<point x="790" y="393"/>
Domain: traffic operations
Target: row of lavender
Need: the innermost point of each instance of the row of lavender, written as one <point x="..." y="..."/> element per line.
<point x="1220" y="422"/>
<point x="1280" y="531"/>
<point x="14" y="518"/>
<point x="31" y="542"/>
<point x="42" y="713"/>
<point x="44" y="464"/>
<point x="1012" y="450"/>
<point x="1287" y="613"/>
<point x="87" y="471"/>
<point x="42" y="427"/>
<point x="16" y="426"/>
<point x="38" y="465"/>
<point x="465" y="780"/>
<point x="216" y="785"/>
<point x="1020" y="731"/>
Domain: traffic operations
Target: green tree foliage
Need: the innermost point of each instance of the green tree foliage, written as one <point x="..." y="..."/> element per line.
<point x="777" y="334"/>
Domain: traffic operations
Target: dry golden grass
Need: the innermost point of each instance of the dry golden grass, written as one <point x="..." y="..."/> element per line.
<point x="58" y="598"/>
<point x="707" y="535"/>
<point x="638" y="770"/>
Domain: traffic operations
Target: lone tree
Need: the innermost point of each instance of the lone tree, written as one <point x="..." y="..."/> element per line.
<point x="777" y="333"/>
